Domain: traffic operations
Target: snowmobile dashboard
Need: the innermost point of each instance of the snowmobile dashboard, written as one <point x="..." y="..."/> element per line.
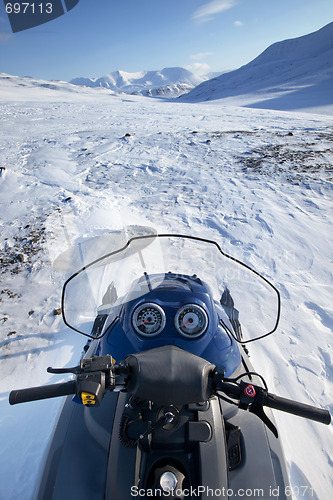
<point x="175" y="310"/>
<point x="189" y="319"/>
<point x="149" y="319"/>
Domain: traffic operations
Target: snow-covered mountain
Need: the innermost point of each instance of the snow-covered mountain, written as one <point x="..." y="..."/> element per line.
<point x="33" y="88"/>
<point x="289" y="75"/>
<point x="167" y="82"/>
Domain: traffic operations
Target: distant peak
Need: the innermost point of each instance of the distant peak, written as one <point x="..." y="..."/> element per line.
<point x="165" y="82"/>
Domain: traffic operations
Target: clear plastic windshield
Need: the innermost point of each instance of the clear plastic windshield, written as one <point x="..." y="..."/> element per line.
<point x="88" y="291"/>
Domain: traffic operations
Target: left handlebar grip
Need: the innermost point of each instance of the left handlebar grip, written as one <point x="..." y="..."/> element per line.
<point x="42" y="392"/>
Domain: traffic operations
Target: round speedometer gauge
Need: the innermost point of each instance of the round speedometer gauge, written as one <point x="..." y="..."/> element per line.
<point x="191" y="320"/>
<point x="148" y="319"/>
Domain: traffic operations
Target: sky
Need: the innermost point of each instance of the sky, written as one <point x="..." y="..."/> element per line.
<point x="100" y="36"/>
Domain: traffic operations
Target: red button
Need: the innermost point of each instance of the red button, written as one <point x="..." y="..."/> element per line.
<point x="250" y="391"/>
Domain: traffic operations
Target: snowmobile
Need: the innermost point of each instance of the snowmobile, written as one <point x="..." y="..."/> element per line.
<point x="164" y="401"/>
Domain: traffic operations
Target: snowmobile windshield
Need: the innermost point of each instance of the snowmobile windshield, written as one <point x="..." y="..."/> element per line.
<point x="141" y="265"/>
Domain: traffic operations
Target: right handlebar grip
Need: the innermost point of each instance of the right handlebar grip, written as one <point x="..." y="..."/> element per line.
<point x="42" y="392"/>
<point x="300" y="409"/>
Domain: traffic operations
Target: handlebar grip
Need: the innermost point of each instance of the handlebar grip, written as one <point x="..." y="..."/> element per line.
<point x="300" y="409"/>
<point x="42" y="392"/>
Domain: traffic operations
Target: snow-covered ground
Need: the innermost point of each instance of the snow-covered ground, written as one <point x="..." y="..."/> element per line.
<point x="258" y="181"/>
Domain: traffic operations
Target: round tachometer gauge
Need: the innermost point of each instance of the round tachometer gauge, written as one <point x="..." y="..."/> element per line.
<point x="149" y="319"/>
<point x="191" y="320"/>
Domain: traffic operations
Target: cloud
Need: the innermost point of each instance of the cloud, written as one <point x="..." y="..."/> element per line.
<point x="199" y="69"/>
<point x="238" y="23"/>
<point x="201" y="55"/>
<point x="208" y="11"/>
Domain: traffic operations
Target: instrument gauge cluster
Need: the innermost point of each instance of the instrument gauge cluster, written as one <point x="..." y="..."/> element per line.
<point x="149" y="320"/>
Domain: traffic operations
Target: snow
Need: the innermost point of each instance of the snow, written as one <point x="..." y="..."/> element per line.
<point x="76" y="164"/>
<point x="294" y="74"/>
<point x="168" y="81"/>
<point x="36" y="90"/>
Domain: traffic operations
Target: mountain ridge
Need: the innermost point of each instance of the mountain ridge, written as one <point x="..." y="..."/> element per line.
<point x="168" y="81"/>
<point x="291" y="74"/>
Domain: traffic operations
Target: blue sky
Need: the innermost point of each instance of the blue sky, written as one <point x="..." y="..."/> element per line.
<point x="100" y="36"/>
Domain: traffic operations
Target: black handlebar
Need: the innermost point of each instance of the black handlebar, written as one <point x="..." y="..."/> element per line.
<point x="42" y="392"/>
<point x="97" y="374"/>
<point x="299" y="409"/>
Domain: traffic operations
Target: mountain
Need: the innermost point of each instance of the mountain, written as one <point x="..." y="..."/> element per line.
<point x="288" y="75"/>
<point x="167" y="82"/>
<point x="33" y="88"/>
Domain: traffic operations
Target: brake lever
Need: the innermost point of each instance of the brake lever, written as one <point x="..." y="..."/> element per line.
<point x="87" y="365"/>
<point x="75" y="369"/>
<point x="258" y="410"/>
<point x="252" y="398"/>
